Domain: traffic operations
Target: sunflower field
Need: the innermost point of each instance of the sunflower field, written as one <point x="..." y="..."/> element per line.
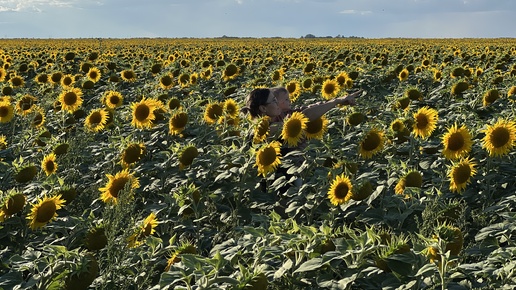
<point x="129" y="164"/>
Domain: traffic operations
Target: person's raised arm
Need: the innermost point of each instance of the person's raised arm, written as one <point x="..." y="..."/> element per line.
<point x="315" y="111"/>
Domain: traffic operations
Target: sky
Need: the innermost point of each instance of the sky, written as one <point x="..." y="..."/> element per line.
<point x="257" y="18"/>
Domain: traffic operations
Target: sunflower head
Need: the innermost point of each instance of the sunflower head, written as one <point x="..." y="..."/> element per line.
<point x="341" y="190"/>
<point x="26" y="174"/>
<point x="12" y="204"/>
<point x="96" y="120"/>
<point x="6" y="112"/>
<point x="177" y="123"/>
<point x="330" y="89"/>
<point x="44" y="211"/>
<point x="459" y="88"/>
<point x="403" y="75"/>
<point x="70" y="99"/>
<point x="425" y="122"/>
<point x="490" y="97"/>
<point x="364" y="190"/>
<point x="231" y="108"/>
<point x="96" y="238"/>
<point x="315" y="129"/>
<point x="132" y="154"/>
<point x="187" y="155"/>
<point x="413" y="178"/>
<point x="118" y="183"/>
<point x="25" y="105"/>
<point x="499" y="138"/>
<point x="294" y="128"/>
<point x="460" y="174"/>
<point x="268" y="158"/>
<point x="372" y="143"/>
<point x="355" y="119"/>
<point x="213" y="112"/>
<point x="143" y="113"/>
<point x="166" y="81"/>
<point x="457" y="142"/>
<point x="113" y="99"/>
<point x="49" y="164"/>
<point x="413" y="94"/>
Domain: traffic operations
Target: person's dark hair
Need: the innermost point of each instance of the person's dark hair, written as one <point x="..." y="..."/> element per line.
<point x="255" y="99"/>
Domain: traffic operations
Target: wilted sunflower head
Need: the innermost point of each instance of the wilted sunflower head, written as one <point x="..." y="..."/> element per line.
<point x="459" y="88"/>
<point x="268" y="158"/>
<point x="413" y="94"/>
<point x="372" y="143"/>
<point x="13" y="203"/>
<point x="490" y="97"/>
<point x="355" y="118"/>
<point x="26" y="173"/>
<point x="96" y="238"/>
<point x="364" y="190"/>
<point x="177" y="123"/>
<point x="294" y="128"/>
<point x="499" y="138"/>
<point x="25" y="105"/>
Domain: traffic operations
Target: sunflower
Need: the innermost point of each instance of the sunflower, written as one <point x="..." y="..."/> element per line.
<point x="490" y="96"/>
<point x="70" y="99"/>
<point x="49" y="164"/>
<point x="268" y="157"/>
<point x="38" y="120"/>
<point x="294" y="128"/>
<point x="143" y="113"/>
<point x="413" y="178"/>
<point x="17" y="82"/>
<point x="425" y="120"/>
<point x="55" y="78"/>
<point x="96" y="238"/>
<point x="230" y="72"/>
<point x="355" y="118"/>
<point x="128" y="75"/>
<point x="341" y="190"/>
<point x="177" y="123"/>
<point x="3" y="142"/>
<point x="132" y="154"/>
<point x="413" y="94"/>
<point x="460" y="174"/>
<point x="113" y="99"/>
<point x="184" y="80"/>
<point x="459" y="88"/>
<point x="261" y="131"/>
<point x="26" y="174"/>
<point x="187" y="155"/>
<point x="403" y="75"/>
<point x="330" y="89"/>
<point x="457" y="142"/>
<point x="372" y="143"/>
<point x="174" y="104"/>
<point x="438" y="75"/>
<point x="207" y="73"/>
<point x="96" y="120"/>
<point x="213" y="112"/>
<point x="146" y="229"/>
<point x="44" y="211"/>
<point x="67" y="81"/>
<point x="117" y="183"/>
<point x="294" y="89"/>
<point x="315" y="129"/>
<point x="25" y="105"/>
<point x="511" y="94"/>
<point x="499" y="138"/>
<point x="341" y="78"/>
<point x="6" y="112"/>
<point x="3" y="74"/>
<point x="231" y="108"/>
<point x="364" y="191"/>
<point x="166" y="81"/>
<point x="397" y="125"/>
<point x="175" y="257"/>
<point x="94" y="74"/>
<point x="12" y="204"/>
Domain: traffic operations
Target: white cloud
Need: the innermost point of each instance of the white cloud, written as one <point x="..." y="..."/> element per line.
<point x="351" y="11"/>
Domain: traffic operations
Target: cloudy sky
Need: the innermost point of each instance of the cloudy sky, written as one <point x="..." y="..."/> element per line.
<point x="257" y="18"/>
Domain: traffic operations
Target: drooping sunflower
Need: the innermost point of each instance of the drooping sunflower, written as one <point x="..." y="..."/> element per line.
<point x="330" y="89"/>
<point x="6" y="112"/>
<point x="166" y="81"/>
<point x="231" y="108"/>
<point x="94" y="74"/>
<point x="459" y="88"/>
<point x="397" y="125"/>
<point x="128" y="75"/>
<point x="38" y="119"/>
<point x="132" y="154"/>
<point x="96" y="120"/>
<point x="413" y="178"/>
<point x="70" y="99"/>
<point x="268" y="158"/>
<point x="460" y="174"/>
<point x="174" y="104"/>
<point x="113" y="99"/>
<point x="143" y="113"/>
<point x="316" y="129"/>
<point x="25" y="105"/>
<point x="26" y="173"/>
<point x="294" y="128"/>
<point x="55" y="77"/>
<point x="175" y="257"/>
<point x="49" y="164"/>
<point x="187" y="155"/>
<point x="44" y="211"/>
<point x="341" y="190"/>
<point x="117" y="183"/>
<point x="147" y="228"/>
<point x="261" y="131"/>
<point x="499" y="138"/>
<point x="177" y="123"/>
<point x="213" y="112"/>
<point x="403" y="75"/>
<point x="355" y="118"/>
<point x="425" y="122"/>
<point x="96" y="238"/>
<point x="372" y="143"/>
<point x="230" y="72"/>
<point x="457" y="142"/>
<point x="11" y="205"/>
<point x="490" y="96"/>
<point x="363" y="191"/>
